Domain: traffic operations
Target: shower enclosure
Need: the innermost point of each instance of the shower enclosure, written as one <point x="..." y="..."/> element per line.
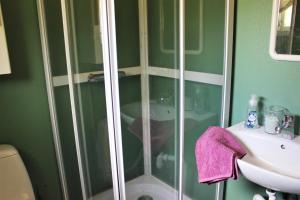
<point x="131" y="86"/>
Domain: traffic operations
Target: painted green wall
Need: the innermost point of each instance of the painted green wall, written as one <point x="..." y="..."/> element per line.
<point x="24" y="115"/>
<point x="23" y="93"/>
<point x="256" y="72"/>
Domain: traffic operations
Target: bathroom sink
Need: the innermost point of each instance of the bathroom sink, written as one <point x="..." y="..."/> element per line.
<point x="271" y="161"/>
<point x="158" y="112"/>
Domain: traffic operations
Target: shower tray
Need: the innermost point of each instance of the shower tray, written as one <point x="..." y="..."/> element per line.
<point x="143" y="186"/>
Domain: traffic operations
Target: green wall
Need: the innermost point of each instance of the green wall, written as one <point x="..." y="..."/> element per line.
<point x="256" y="72"/>
<point x="24" y="115"/>
<point x="23" y="95"/>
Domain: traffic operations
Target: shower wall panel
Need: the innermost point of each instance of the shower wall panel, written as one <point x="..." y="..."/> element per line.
<point x="90" y="102"/>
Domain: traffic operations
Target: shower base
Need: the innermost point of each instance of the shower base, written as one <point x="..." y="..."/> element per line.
<point x="143" y="186"/>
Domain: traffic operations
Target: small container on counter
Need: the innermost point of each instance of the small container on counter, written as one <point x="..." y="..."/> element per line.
<point x="274" y="115"/>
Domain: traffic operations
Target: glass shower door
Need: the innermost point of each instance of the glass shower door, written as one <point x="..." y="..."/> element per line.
<point x="72" y="48"/>
<point x="116" y="90"/>
<point x="149" y="101"/>
<point x="207" y="82"/>
<point x="95" y="138"/>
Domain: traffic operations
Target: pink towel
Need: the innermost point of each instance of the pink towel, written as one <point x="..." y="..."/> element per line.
<point x="216" y="155"/>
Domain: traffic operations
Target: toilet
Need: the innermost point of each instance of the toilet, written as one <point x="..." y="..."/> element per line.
<point x="14" y="180"/>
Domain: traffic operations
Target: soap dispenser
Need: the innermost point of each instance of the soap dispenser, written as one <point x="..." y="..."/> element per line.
<point x="252" y="116"/>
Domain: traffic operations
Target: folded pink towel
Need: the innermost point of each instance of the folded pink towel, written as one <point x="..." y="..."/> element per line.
<point x="216" y="152"/>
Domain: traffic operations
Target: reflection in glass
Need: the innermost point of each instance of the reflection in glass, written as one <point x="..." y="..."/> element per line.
<point x="149" y="101"/>
<point x="288" y="28"/>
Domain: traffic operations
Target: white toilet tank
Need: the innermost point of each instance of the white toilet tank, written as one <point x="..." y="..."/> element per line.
<point x="14" y="180"/>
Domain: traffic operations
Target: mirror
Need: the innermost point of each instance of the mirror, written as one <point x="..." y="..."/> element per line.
<point x="193" y="26"/>
<point x="285" y="30"/>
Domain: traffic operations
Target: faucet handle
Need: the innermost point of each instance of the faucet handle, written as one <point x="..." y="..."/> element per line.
<point x="288" y="121"/>
<point x="286" y="129"/>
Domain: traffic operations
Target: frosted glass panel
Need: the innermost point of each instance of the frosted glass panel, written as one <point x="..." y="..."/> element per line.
<point x="204" y="101"/>
<point x="89" y="97"/>
<point x="149" y="111"/>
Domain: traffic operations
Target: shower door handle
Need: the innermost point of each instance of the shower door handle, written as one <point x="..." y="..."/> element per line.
<point x="92" y="78"/>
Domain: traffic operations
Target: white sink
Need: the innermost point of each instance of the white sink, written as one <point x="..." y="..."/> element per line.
<point x="159" y="112"/>
<point x="271" y="161"/>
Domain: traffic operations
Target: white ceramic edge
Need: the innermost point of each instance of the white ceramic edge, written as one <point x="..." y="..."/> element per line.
<point x="268" y="174"/>
<point x="259" y="133"/>
<point x="241" y="133"/>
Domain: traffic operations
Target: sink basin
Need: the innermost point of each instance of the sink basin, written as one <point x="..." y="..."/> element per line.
<point x="271" y="161"/>
<point x="159" y="112"/>
<point x="162" y="122"/>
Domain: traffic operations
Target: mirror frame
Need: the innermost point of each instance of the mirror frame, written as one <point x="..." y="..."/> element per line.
<point x="273" y="35"/>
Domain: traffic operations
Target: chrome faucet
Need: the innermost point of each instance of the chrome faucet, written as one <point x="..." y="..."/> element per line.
<point x="167" y="98"/>
<point x="286" y="128"/>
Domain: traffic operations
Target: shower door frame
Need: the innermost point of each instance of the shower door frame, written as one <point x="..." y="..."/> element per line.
<point x="107" y="19"/>
<point x="223" y="80"/>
